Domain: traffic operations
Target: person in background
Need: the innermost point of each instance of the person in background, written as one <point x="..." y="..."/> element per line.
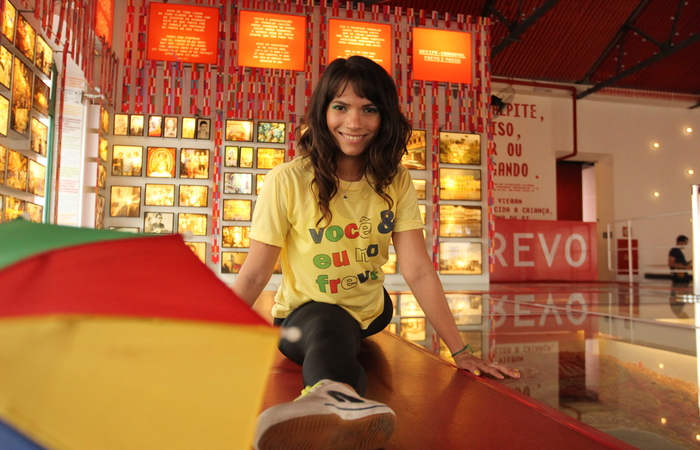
<point x="330" y="216"/>
<point x="680" y="275"/>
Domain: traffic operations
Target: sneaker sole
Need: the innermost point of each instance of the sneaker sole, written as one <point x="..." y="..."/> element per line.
<point x="329" y="431"/>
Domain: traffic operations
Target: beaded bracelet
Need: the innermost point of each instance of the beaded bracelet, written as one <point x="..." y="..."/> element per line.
<point x="466" y="347"/>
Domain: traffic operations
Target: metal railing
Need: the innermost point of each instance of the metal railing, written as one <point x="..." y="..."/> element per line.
<point x="644" y="236"/>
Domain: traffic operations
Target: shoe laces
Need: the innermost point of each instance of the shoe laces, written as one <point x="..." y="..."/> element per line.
<point x="308" y="389"/>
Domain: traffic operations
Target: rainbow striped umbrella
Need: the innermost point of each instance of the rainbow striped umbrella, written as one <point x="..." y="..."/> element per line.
<point x="111" y="340"/>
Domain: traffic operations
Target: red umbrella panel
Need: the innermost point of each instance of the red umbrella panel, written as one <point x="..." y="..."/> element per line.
<point x="114" y="340"/>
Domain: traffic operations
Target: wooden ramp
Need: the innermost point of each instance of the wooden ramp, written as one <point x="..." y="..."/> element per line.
<point x="440" y="407"/>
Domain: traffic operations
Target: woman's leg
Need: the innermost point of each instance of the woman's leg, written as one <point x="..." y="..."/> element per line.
<point x="329" y="343"/>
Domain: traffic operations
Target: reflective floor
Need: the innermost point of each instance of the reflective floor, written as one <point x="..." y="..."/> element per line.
<point x="620" y="359"/>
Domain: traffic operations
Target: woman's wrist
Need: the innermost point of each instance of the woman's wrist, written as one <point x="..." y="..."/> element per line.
<point x="464" y="349"/>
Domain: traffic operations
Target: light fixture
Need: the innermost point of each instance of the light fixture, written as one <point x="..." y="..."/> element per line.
<point x="661" y="365"/>
<point x="656" y="194"/>
<point x="691" y="171"/>
<point x="688" y="130"/>
<point x="656" y="145"/>
<point x="663" y="420"/>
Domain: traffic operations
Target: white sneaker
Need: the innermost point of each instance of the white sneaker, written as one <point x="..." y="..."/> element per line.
<point x="329" y="415"/>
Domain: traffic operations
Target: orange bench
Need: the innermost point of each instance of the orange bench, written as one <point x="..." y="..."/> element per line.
<point x="440" y="407"/>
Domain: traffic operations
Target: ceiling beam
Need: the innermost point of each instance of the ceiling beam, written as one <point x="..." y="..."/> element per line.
<point x="624" y="29"/>
<point x="670" y="50"/>
<point x="523" y="26"/>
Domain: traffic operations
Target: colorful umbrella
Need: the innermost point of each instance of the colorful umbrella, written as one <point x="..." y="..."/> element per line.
<point x="114" y="340"/>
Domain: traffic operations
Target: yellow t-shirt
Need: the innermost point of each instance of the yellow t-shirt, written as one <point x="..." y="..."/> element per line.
<point x="338" y="263"/>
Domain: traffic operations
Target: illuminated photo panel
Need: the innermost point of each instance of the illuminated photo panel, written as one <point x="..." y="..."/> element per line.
<point x="182" y="33"/>
<point x="440" y="55"/>
<point x="273" y="41"/>
<point x="371" y="40"/>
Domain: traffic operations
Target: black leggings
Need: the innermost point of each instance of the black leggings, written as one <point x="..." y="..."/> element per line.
<point x="330" y="342"/>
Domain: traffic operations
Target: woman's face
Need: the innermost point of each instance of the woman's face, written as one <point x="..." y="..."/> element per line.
<point x="353" y="121"/>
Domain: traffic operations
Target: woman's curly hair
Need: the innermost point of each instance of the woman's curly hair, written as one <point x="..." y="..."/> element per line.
<point x="383" y="153"/>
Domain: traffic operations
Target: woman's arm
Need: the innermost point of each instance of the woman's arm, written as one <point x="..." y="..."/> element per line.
<point x="256" y="271"/>
<point x="419" y="273"/>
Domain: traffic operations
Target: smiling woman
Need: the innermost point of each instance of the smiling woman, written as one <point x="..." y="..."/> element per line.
<point x="336" y="210"/>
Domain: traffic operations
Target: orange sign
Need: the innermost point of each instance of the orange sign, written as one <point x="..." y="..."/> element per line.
<point x="104" y="20"/>
<point x="347" y="38"/>
<point x="440" y="55"/>
<point x="182" y="33"/>
<point x="273" y="41"/>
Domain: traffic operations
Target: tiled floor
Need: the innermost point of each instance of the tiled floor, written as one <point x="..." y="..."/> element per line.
<point x="620" y="359"/>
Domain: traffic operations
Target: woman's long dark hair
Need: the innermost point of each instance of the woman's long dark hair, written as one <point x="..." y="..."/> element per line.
<point x="383" y="153"/>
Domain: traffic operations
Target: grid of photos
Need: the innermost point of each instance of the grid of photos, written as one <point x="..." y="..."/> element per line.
<point x="177" y="195"/>
<point x="26" y="64"/>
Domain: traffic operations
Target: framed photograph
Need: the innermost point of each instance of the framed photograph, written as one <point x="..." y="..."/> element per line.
<point x="14" y="208"/>
<point x="409" y="307"/>
<point x="460" y="148"/>
<point x="170" y="127"/>
<point x="16" y="170"/>
<point x="460" y="184"/>
<point x="423" y="212"/>
<point x="259" y="180"/>
<point x="238" y="210"/>
<point x="238" y="183"/>
<point x="101" y="176"/>
<point x="204" y="129"/>
<point x="466" y="308"/>
<point x="121" y="124"/>
<point x="155" y="126"/>
<point x="36" y="178"/>
<point x="230" y="156"/>
<point x="25" y="39"/>
<point x="193" y="196"/>
<point x="4" y="115"/>
<point x="239" y="130"/>
<point x="199" y="249"/>
<point x="189" y="126"/>
<point x="9" y="21"/>
<point x="44" y="56"/>
<point x="413" y="329"/>
<point x="460" y="221"/>
<point x="235" y="236"/>
<point x="21" y="97"/>
<point x="194" y="223"/>
<point x="158" y="222"/>
<point x="104" y="149"/>
<point x="39" y="140"/>
<point x="127" y="160"/>
<point x="415" y="158"/>
<point x="3" y="165"/>
<point x="194" y="163"/>
<point x="419" y="186"/>
<point x="125" y="201"/>
<point x="272" y="132"/>
<point x="99" y="212"/>
<point x="36" y="212"/>
<point x="136" y="124"/>
<point x="125" y="229"/>
<point x="160" y="162"/>
<point x="104" y="120"/>
<point x="5" y="67"/>
<point x="231" y="262"/>
<point x="2" y="208"/>
<point x="41" y="96"/>
<point x="389" y="266"/>
<point x="270" y="157"/>
<point x="245" y="158"/>
<point x="159" y="195"/>
<point x="460" y="258"/>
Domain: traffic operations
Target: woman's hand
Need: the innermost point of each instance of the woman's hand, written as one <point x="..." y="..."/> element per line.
<point x="477" y="366"/>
